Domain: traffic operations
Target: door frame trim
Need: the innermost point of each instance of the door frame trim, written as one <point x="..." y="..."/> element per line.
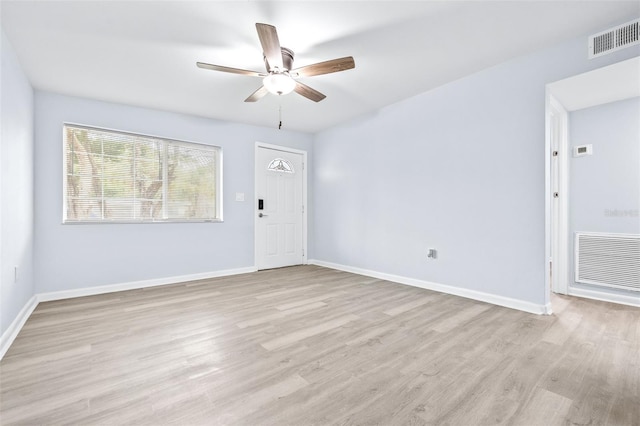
<point x="557" y="176"/>
<point x="305" y="171"/>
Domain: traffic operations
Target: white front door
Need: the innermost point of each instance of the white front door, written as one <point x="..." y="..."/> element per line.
<point x="279" y="208"/>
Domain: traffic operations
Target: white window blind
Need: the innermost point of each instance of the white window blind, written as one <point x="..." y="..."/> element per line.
<point x="113" y="176"/>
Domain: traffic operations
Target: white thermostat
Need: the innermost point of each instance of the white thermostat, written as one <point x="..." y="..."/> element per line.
<point x="579" y="151"/>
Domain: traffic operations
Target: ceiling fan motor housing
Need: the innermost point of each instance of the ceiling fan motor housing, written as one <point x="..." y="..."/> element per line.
<point x="287" y="60"/>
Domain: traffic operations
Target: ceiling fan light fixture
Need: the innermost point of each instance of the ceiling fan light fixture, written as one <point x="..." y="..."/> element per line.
<point x="279" y="83"/>
<point x="280" y="77"/>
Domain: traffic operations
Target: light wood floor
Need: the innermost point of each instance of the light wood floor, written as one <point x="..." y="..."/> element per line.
<point x="311" y="346"/>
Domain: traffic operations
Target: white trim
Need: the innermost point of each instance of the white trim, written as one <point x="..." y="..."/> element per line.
<point x="507" y="302"/>
<point x="557" y="176"/>
<point x="305" y="200"/>
<point x="11" y="333"/>
<point x="281" y="148"/>
<point x="220" y="186"/>
<point x="111" y="288"/>
<point x="605" y="296"/>
<point x="608" y="234"/>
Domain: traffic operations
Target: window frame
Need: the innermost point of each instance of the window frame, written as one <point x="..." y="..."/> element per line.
<point x="218" y="183"/>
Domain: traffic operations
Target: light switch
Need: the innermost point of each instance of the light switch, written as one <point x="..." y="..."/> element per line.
<point x="239" y="196"/>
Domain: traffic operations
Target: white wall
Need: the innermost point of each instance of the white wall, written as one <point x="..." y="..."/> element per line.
<point x="77" y="256"/>
<point x="605" y="187"/>
<point x="460" y="168"/>
<point x="16" y="193"/>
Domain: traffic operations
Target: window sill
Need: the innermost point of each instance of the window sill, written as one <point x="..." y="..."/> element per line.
<point x="137" y="222"/>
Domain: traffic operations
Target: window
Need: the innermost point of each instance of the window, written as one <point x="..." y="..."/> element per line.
<point x="115" y="176"/>
<point x="280" y="165"/>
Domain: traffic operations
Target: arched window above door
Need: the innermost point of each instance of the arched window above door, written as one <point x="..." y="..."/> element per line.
<point x="280" y="165"/>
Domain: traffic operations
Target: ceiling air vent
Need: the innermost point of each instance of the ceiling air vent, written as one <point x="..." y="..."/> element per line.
<point x="613" y="39"/>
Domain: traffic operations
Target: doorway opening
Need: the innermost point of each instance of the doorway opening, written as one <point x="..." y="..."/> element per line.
<point x="574" y="205"/>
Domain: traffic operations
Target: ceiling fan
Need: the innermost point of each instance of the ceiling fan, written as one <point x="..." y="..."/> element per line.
<point x="280" y="77"/>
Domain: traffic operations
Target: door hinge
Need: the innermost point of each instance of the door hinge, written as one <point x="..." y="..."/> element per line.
<point x="302" y="166"/>
<point x="302" y="209"/>
<point x="302" y="252"/>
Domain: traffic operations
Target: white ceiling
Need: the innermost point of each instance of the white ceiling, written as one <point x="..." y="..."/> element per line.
<point x="144" y="52"/>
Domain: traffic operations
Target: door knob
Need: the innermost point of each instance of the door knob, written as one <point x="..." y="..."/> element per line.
<point x="262" y="215"/>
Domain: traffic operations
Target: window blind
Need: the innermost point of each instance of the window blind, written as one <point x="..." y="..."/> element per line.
<point x="116" y="176"/>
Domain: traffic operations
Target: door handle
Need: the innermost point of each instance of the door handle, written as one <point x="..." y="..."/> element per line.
<point x="262" y="215"/>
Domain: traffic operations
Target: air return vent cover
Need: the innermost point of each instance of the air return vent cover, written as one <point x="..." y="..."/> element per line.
<point x="616" y="38"/>
<point x="610" y="260"/>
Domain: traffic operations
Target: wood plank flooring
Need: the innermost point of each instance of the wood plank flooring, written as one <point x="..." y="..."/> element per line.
<point x="314" y="346"/>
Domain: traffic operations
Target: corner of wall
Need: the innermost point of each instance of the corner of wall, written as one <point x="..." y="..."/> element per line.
<point x="16" y="192"/>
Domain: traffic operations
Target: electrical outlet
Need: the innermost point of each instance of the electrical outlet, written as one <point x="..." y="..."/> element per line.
<point x="432" y="253"/>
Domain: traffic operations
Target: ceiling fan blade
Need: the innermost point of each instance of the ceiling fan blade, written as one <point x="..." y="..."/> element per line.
<point x="308" y="92"/>
<point x="270" y="45"/>
<point x="326" y="67"/>
<point x="257" y="95"/>
<point x="229" y="69"/>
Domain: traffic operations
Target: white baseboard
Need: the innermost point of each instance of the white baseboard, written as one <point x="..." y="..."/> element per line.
<point x="11" y="333"/>
<point x="111" y="288"/>
<point x="507" y="302"/>
<point x="605" y="296"/>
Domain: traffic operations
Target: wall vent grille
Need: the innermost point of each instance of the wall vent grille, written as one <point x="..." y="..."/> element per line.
<point x="617" y="38"/>
<point x="610" y="260"/>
